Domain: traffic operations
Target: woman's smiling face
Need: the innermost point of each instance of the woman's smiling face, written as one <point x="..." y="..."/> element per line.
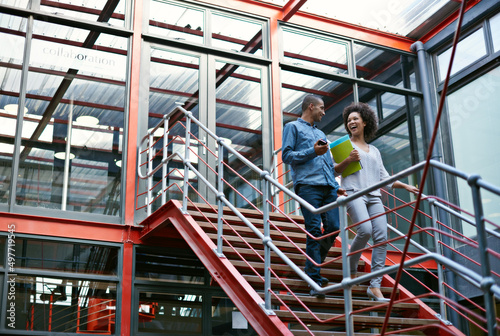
<point x="355" y="124"/>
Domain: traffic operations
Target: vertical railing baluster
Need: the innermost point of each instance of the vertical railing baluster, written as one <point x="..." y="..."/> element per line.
<point x="165" y="163"/>
<point x="487" y="281"/>
<point x="438" y="247"/>
<point x="149" y="171"/>
<point x="220" y="204"/>
<point x="346" y="271"/>
<point x="267" y="238"/>
<point x="186" y="160"/>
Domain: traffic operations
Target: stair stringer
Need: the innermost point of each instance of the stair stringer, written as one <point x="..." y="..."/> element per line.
<point x="246" y="299"/>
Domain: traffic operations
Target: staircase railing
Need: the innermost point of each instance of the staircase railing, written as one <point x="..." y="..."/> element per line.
<point x="483" y="281"/>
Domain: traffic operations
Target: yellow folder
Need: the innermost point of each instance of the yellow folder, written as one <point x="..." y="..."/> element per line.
<point x="341" y="148"/>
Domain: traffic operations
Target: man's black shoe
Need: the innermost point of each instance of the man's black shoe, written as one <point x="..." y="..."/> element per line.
<point x="324" y="281"/>
<point x="315" y="293"/>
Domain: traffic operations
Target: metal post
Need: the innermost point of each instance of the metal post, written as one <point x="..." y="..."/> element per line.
<point x="186" y="160"/>
<point x="267" y="238"/>
<point x="437" y="175"/>
<point x="487" y="280"/>
<point x="438" y="247"/>
<point x="20" y="113"/>
<point x="149" y="175"/>
<point x="67" y="154"/>
<point x="346" y="271"/>
<point x="165" y="164"/>
<point x="220" y="205"/>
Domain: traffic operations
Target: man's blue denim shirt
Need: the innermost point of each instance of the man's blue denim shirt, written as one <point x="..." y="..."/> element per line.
<point x="299" y="138"/>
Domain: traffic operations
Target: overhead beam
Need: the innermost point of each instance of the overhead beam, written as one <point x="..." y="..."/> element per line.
<point x="292" y="7"/>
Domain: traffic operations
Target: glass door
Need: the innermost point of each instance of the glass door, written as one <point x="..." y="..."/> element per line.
<point x="238" y="112"/>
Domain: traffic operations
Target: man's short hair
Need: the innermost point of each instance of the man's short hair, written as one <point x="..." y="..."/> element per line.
<point x="310" y="99"/>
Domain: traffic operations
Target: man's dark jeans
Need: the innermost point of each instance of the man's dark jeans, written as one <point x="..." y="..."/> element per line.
<point x="317" y="250"/>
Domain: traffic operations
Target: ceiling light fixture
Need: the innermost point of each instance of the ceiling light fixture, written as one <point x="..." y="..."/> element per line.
<point x="62" y="156"/>
<point x="87" y="120"/>
<point x="13" y="108"/>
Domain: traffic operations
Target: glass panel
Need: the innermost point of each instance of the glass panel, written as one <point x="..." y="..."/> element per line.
<point x="370" y="97"/>
<point x="336" y="96"/>
<point x="315" y="51"/>
<point x="469" y="50"/>
<point x="392" y="103"/>
<point x="395" y="149"/>
<point x="179" y="266"/>
<point x="16" y="3"/>
<point x="11" y="59"/>
<point x="475" y="107"/>
<point x="67" y="257"/>
<point x="227" y="320"/>
<point x="236" y="34"/>
<point x="176" y="21"/>
<point x="89" y="10"/>
<point x="419" y="123"/>
<point x="397" y="17"/>
<point x="170" y="313"/>
<point x="495" y="31"/>
<point x="75" y="93"/>
<point x="296" y="86"/>
<point x="64" y="305"/>
<point x="174" y="81"/>
<point x="381" y="65"/>
<point x="239" y="121"/>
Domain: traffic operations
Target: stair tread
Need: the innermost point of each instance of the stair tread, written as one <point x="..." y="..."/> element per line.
<point x="248" y="212"/>
<point x="296" y="257"/>
<point x="364" y="319"/>
<point x="301" y="285"/>
<point x="244" y="229"/>
<point x="334" y="333"/>
<point x="282" y="223"/>
<point x="357" y="303"/>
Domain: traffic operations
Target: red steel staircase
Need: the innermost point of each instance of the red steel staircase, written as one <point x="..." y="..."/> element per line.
<point x="239" y="271"/>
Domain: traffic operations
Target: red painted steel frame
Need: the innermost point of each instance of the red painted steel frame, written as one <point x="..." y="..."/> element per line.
<point x="316" y="22"/>
<point x="68" y="228"/>
<point x="231" y="281"/>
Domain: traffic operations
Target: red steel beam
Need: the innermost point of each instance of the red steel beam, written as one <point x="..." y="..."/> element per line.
<point x="68" y="228"/>
<point x="292" y="7"/>
<point x="246" y="299"/>
<point x="321" y="23"/>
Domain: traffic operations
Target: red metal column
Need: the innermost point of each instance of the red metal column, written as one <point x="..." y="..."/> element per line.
<point x="126" y="285"/>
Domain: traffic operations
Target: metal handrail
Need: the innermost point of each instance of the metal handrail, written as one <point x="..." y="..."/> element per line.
<point x="484" y="282"/>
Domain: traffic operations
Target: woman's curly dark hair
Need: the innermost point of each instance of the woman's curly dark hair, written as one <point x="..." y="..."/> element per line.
<point x="368" y="116"/>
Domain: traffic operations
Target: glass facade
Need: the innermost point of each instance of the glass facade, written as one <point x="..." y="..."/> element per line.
<point x="472" y="115"/>
<point x="73" y="124"/>
<point x="59" y="286"/>
<point x="11" y="60"/>
<point x="463" y="104"/>
<point x="384" y="79"/>
<point x="469" y="50"/>
<point x="71" y="129"/>
<point x="71" y="83"/>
